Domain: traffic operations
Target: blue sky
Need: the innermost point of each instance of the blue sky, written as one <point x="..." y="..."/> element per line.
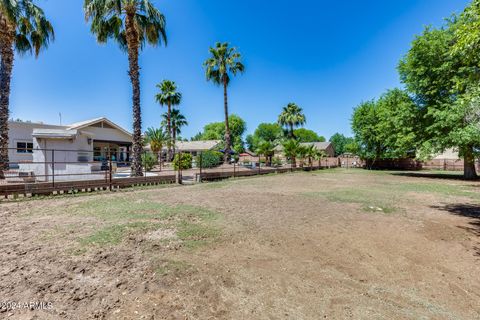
<point x="327" y="56"/>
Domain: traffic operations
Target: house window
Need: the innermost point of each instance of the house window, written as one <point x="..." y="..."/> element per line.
<point x="97" y="154"/>
<point x="24" y="147"/>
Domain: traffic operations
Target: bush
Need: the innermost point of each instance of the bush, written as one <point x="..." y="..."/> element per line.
<point x="149" y="161"/>
<point x="185" y="161"/>
<point x="209" y="159"/>
<point x="276" y="162"/>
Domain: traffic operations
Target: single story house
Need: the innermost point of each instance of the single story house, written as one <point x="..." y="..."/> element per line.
<point x="327" y="147"/>
<point x="448" y="154"/>
<point x="247" y="156"/>
<point x="193" y="147"/>
<point x="77" y="148"/>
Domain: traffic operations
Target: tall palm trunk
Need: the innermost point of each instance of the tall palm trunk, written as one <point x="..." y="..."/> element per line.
<point x="6" y="66"/>
<point x="174" y="137"/>
<point x="292" y="135"/>
<point x="171" y="154"/>
<point x="226" y="156"/>
<point x="134" y="73"/>
<point x="469" y="171"/>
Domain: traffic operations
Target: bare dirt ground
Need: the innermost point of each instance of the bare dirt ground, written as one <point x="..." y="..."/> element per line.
<point x="331" y="244"/>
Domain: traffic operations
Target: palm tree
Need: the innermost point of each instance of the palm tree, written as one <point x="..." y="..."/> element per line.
<point x="292" y="116"/>
<point x="302" y="154"/>
<point x="224" y="63"/>
<point x="290" y="150"/>
<point x="24" y="29"/>
<point x="310" y="153"/>
<point x="319" y="155"/>
<point x="168" y="96"/>
<point x="157" y="139"/>
<point x="178" y="121"/>
<point x="130" y="23"/>
<point x="267" y="148"/>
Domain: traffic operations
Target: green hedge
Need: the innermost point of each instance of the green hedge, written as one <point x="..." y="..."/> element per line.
<point x="209" y="159"/>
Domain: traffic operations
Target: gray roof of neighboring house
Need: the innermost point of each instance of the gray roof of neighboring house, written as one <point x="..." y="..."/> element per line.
<point x="192" y="146"/>
<point x="318" y="145"/>
<point x="197" y="145"/>
<point x="54" y="133"/>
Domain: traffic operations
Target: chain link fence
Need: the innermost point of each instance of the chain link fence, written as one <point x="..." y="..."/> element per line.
<point x="52" y="171"/>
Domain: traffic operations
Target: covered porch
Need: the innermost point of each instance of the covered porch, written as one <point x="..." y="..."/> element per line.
<point x="118" y="151"/>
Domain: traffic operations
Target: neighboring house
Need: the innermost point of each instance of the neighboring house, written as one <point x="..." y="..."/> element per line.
<point x="448" y="154"/>
<point x="194" y="147"/>
<point x="73" y="148"/>
<point x="327" y="147"/>
<point x="247" y="156"/>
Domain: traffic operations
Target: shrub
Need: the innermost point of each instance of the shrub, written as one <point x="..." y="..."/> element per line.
<point x="276" y="162"/>
<point x="149" y="161"/>
<point x="185" y="161"/>
<point x="209" y="159"/>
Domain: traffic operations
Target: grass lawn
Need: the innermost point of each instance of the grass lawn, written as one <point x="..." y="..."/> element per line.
<point x="327" y="244"/>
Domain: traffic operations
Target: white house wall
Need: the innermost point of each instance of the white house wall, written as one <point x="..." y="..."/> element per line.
<point x="22" y="132"/>
<point x="108" y="134"/>
<point x="66" y="158"/>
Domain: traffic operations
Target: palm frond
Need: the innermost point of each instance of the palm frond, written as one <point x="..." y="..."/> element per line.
<point x="33" y="32"/>
<point x="108" y="21"/>
<point x="223" y="62"/>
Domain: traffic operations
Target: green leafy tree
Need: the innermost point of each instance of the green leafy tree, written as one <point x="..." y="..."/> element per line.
<point x="209" y="159"/>
<point x="386" y="128"/>
<point x="24" y="29"/>
<point x="131" y="23"/>
<point x="224" y="63"/>
<point x="340" y="142"/>
<point x="441" y="72"/>
<point x="148" y="161"/>
<point x="182" y="161"/>
<point x="271" y="132"/>
<point x="398" y="123"/>
<point x="292" y="116"/>
<point x="365" y="127"/>
<point x="169" y="96"/>
<point x="306" y="135"/>
<point x="216" y="131"/>
<point x="267" y="149"/>
<point x="352" y="147"/>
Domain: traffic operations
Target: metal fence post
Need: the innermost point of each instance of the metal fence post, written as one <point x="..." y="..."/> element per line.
<point x="259" y="164"/>
<point x="201" y="165"/>
<point x="234" y="165"/>
<point x="179" y="167"/>
<point x="53" y="168"/>
<point x="110" y="168"/>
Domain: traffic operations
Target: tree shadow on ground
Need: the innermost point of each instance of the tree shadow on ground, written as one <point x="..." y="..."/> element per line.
<point x="471" y="211"/>
<point x="431" y="175"/>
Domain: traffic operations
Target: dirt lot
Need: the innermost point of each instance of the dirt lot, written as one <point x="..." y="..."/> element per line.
<point x="331" y="244"/>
